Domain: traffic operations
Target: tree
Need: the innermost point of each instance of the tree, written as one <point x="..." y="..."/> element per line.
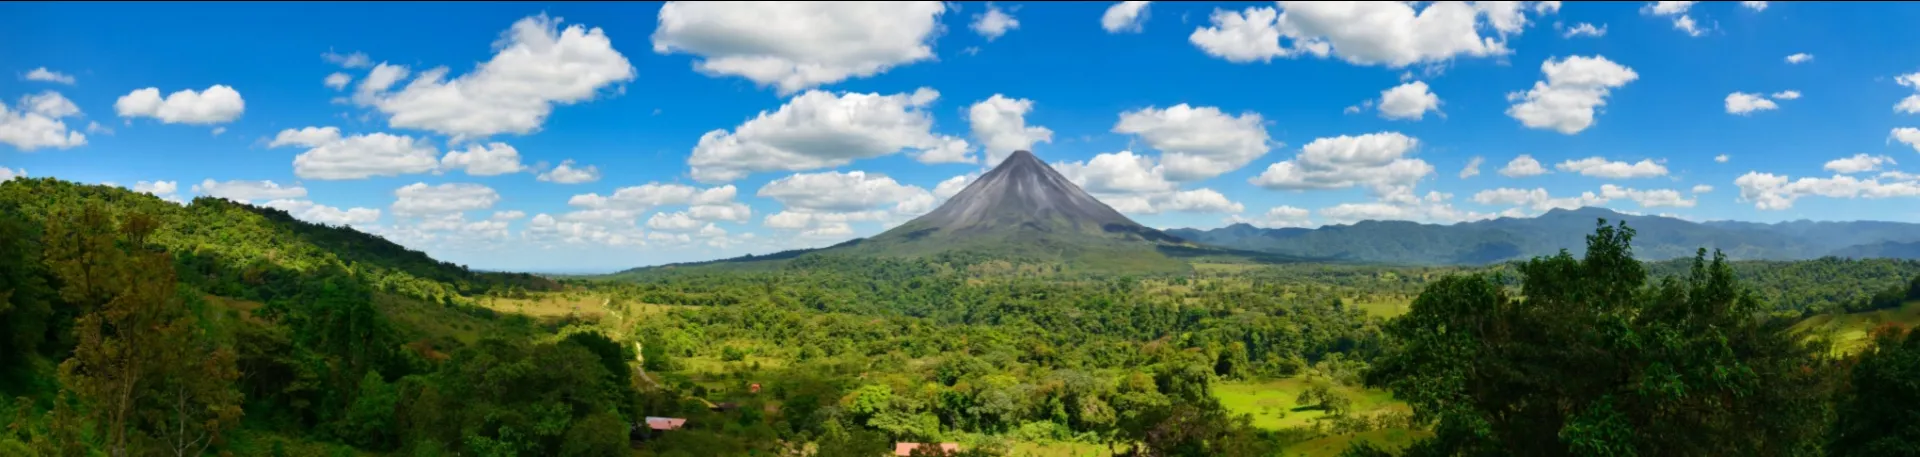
<point x="140" y="366"/>
<point x="24" y="293"/>
<point x="198" y="397"/>
<point x="1232" y="361"/>
<point x="1875" y="412"/>
<point x="1913" y="289"/>
<point x="1323" y="397"/>
<point x="1597" y="360"/>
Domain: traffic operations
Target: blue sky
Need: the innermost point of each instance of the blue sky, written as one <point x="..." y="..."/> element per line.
<point x="832" y="121"/>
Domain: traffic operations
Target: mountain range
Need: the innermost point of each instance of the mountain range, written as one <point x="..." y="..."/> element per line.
<point x="1507" y="238"/>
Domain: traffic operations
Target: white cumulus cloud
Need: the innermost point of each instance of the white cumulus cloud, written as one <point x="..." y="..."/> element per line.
<point x="337" y="80"/>
<point x="794" y="46"/>
<point x="1277" y="217"/>
<point x="1678" y="11"/>
<point x="1769" y="191"/>
<point x="994" y="23"/>
<point x="420" y="199"/>
<point x="566" y="173"/>
<point x="1600" y="167"/>
<point x="353" y="60"/>
<point x="490" y="159"/>
<point x="1908" y="135"/>
<point x="1523" y="166"/>
<point x="1576" y="87"/>
<point x="1431" y="208"/>
<point x="323" y="214"/>
<point x="841" y="191"/>
<point x="1116" y="173"/>
<point x="1000" y="124"/>
<point x="537" y="65"/>
<point x="45" y="75"/>
<point x="1742" y="103"/>
<point x="216" y="105"/>
<point x="1473" y="167"/>
<point x="1125" y="17"/>
<point x="37" y="123"/>
<point x="1392" y="34"/>
<point x="1197" y="143"/>
<point x="672" y="222"/>
<point x="332" y="157"/>
<point x="952" y="186"/>
<point x="1799" y="58"/>
<point x="818" y="129"/>
<point x="1585" y="29"/>
<point x="508" y="215"/>
<point x="162" y="189"/>
<point x="1197" y="201"/>
<point x="1858" y="163"/>
<point x="248" y="191"/>
<point x="1376" y="161"/>
<point x="1408" y="101"/>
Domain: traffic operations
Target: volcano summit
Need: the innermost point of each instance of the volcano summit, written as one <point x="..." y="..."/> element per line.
<point x="1026" y="197"/>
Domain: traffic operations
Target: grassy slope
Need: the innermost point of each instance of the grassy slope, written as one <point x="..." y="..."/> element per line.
<point x="1271" y="403"/>
<point x="1849" y="332"/>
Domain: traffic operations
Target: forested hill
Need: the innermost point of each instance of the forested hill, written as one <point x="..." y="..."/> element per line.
<point x="249" y="246"/>
<point x="1504" y="239"/>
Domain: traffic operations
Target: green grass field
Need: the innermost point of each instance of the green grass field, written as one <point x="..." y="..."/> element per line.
<point x="1383" y="307"/>
<point x="1272" y="402"/>
<point x="1331" y="446"/>
<point x="1057" y="449"/>
<point x="1272" y="405"/>
<point x="1849" y="332"/>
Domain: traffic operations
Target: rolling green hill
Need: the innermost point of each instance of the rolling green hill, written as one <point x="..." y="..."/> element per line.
<point x="216" y="238"/>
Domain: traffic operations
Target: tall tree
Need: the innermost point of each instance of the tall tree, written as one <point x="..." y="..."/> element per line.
<point x="1595" y="360"/>
<point x="138" y="365"/>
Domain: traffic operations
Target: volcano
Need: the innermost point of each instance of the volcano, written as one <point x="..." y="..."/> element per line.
<point x="1024" y="197"/>
<point x="1024" y="211"/>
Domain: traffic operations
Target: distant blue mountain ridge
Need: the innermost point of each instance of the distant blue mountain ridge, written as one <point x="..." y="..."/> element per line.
<point x="1507" y="238"/>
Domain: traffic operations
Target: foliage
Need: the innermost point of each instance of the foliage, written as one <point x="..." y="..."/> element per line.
<point x="325" y="339"/>
<point x="1875" y="411"/>
<point x="139" y="364"/>
<point x="1597" y="360"/>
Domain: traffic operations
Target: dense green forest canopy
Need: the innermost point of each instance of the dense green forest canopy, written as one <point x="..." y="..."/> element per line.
<point x="128" y="317"/>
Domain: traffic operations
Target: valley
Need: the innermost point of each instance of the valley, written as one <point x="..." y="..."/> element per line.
<point x="347" y="344"/>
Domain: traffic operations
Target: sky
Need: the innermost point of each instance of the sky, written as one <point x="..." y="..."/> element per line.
<point x="582" y="137"/>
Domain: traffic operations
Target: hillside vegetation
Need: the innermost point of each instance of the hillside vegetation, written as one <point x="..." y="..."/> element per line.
<point x="141" y="327"/>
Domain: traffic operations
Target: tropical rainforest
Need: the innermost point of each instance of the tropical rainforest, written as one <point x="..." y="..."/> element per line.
<point x="136" y="326"/>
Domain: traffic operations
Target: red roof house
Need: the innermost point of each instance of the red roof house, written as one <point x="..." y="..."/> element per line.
<point x="665" y="423"/>
<point x="906" y="449"/>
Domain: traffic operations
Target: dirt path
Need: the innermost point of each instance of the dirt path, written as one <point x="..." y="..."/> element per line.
<point x="641" y="367"/>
